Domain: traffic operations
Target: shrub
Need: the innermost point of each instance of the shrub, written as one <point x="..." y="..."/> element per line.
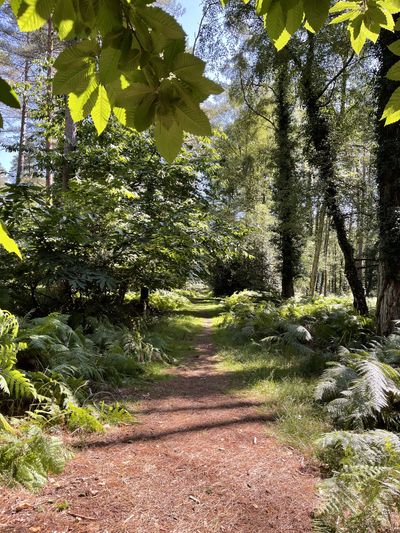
<point x="164" y="301"/>
<point x="362" y="390"/>
<point x="28" y="455"/>
<point x="13" y="382"/>
<point x="364" y="489"/>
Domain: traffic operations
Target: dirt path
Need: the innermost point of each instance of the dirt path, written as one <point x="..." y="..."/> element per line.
<point x="199" y="462"/>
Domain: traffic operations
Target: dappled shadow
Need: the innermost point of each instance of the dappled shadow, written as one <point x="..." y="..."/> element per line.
<point x="150" y="436"/>
<point x="211" y="309"/>
<point x="200" y="313"/>
<point x="216" y="407"/>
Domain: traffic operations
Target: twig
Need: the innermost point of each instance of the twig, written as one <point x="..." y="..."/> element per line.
<point x="75" y="515"/>
<point x="253" y="109"/>
<point x="337" y="75"/>
<point x="205" y="11"/>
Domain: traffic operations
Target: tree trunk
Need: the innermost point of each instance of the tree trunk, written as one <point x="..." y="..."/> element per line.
<point x="144" y="299"/>
<point x="388" y="176"/>
<point x="325" y="162"/>
<point x="69" y="146"/>
<point x="326" y="250"/>
<point x="319" y="232"/>
<point x="49" y="140"/>
<point x="285" y="196"/>
<point x="22" y="131"/>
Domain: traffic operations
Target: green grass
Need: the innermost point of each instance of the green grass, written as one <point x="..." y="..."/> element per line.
<point x="177" y="333"/>
<point x="284" y="382"/>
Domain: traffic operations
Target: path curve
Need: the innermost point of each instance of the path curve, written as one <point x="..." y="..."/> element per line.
<point x="200" y="461"/>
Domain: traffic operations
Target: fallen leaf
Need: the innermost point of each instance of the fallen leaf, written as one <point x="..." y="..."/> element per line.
<point x="23" y="506"/>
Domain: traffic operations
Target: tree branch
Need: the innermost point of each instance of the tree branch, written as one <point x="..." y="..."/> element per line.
<point x="252" y="108"/>
<point x="336" y="76"/>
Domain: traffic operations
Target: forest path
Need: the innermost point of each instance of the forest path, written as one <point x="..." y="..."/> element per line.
<point x="199" y="461"/>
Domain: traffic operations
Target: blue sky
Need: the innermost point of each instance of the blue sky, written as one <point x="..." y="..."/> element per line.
<point x="190" y="22"/>
<point x="191" y="18"/>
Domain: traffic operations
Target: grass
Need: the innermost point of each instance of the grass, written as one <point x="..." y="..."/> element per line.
<point x="284" y="382"/>
<point x="176" y="334"/>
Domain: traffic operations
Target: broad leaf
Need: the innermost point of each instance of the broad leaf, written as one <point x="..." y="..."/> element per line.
<point x="7" y="242"/>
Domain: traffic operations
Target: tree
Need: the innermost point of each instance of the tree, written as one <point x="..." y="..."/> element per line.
<point x="325" y="161"/>
<point x="388" y="171"/>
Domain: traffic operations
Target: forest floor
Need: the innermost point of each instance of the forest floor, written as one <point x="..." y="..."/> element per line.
<point x="199" y="460"/>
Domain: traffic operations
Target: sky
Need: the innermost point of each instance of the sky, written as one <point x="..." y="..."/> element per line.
<point x="191" y="19"/>
<point x="190" y="22"/>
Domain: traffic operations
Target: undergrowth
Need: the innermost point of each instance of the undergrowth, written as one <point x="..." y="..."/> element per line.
<point x="318" y="366"/>
<point x="69" y="376"/>
<point x="283" y="381"/>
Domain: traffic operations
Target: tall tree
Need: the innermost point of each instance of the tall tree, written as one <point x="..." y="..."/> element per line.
<point x="320" y="134"/>
<point x="286" y="197"/>
<point x="388" y="177"/>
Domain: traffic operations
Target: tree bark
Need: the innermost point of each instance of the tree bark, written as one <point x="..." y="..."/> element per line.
<point x="144" y="299"/>
<point x="319" y="232"/>
<point x="388" y="177"/>
<point x="69" y="146"/>
<point x="320" y="134"/>
<point x="22" y="131"/>
<point x="49" y="140"/>
<point x="285" y="196"/>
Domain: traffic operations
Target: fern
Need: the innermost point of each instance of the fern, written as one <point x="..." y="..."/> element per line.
<point x="115" y="413"/>
<point x="82" y="419"/>
<point x="13" y="382"/>
<point x="362" y="390"/>
<point x="365" y="487"/>
<point x="28" y="456"/>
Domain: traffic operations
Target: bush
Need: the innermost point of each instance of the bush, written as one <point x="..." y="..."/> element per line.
<point x="28" y="455"/>
<point x="13" y="382"/>
<point x="324" y="323"/>
<point x="364" y="490"/>
<point x="164" y="301"/>
<point x="249" y="270"/>
<point x="362" y="390"/>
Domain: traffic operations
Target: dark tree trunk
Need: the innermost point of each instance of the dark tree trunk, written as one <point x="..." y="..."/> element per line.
<point x="144" y="299"/>
<point x="285" y="191"/>
<point x="388" y="176"/>
<point x="319" y="128"/>
<point x="69" y="146"/>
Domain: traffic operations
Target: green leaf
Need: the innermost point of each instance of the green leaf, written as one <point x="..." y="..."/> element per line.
<point x="78" y="104"/>
<point x="72" y="55"/>
<point x="168" y="140"/>
<point x="342" y="5"/>
<point x="191" y="118"/>
<point x="274" y="21"/>
<point x="162" y="22"/>
<point x="7" y="95"/>
<point x="262" y="6"/>
<point x="394" y="72"/>
<point x="102" y="110"/>
<point x="145" y="111"/>
<point x="391" y="113"/>
<point x="108" y="64"/>
<point x="358" y="34"/>
<point x="64" y="19"/>
<point x="75" y="80"/>
<point x="7" y="242"/>
<point x="188" y="67"/>
<point x="395" y="48"/>
<point x="33" y="14"/>
<point x="316" y="12"/>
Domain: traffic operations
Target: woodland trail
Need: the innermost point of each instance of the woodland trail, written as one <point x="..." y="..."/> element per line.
<point x="199" y="461"/>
